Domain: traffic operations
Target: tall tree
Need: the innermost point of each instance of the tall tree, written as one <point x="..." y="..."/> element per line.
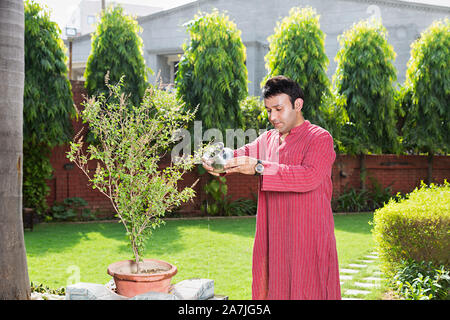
<point x="212" y="73"/>
<point x="364" y="83"/>
<point x="427" y="93"/>
<point x="48" y="103"/>
<point x="297" y="50"/>
<point x="14" y="283"/>
<point x="117" y="49"/>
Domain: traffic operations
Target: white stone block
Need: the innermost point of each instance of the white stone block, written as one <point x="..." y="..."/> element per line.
<point x="194" y="289"/>
<point x="91" y="291"/>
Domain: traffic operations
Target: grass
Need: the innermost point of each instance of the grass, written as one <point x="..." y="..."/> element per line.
<point x="59" y="254"/>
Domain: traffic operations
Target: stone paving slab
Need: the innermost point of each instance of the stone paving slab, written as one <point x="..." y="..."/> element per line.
<point x="376" y="279"/>
<point x="371" y="257"/>
<point x="366" y="285"/>
<point x="354" y="292"/>
<point x="356" y="265"/>
<point x="348" y="271"/>
<point x="368" y="261"/>
<point x="345" y="277"/>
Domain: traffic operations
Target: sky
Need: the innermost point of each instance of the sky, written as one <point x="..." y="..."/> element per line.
<point x="61" y="10"/>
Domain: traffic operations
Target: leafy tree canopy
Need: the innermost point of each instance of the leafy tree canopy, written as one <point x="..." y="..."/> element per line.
<point x="427" y="124"/>
<point x="297" y="51"/>
<point x="212" y="73"/>
<point x="48" y="102"/>
<point x="118" y="49"/>
<point x="364" y="83"/>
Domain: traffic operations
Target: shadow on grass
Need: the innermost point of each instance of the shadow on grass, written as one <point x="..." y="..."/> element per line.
<point x="58" y="237"/>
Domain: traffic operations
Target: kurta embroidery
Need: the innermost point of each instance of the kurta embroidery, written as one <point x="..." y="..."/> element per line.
<point x="294" y="253"/>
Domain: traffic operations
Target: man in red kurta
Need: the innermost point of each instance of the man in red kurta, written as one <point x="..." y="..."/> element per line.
<point x="294" y="253"/>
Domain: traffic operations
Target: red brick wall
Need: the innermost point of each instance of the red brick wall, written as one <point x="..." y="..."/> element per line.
<point x="403" y="173"/>
<point x="70" y="181"/>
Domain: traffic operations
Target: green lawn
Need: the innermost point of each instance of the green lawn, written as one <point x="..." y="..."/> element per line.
<point x="221" y="249"/>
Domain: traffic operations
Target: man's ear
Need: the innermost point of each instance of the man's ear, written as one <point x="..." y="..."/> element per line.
<point x="298" y="104"/>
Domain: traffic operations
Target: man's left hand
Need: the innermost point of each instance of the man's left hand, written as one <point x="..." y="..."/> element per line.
<point x="244" y="165"/>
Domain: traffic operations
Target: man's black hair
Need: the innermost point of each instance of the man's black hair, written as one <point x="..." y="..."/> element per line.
<point x="281" y="84"/>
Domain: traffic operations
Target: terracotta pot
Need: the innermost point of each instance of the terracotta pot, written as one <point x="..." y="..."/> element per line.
<point x="129" y="283"/>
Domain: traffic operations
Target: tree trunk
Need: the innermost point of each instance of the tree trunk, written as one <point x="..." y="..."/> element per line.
<point x="14" y="281"/>
<point x="362" y="170"/>
<point x="430" y="168"/>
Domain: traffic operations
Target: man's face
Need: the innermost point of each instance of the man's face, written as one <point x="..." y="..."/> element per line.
<point x="281" y="113"/>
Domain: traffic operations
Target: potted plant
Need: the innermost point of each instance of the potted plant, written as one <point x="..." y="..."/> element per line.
<point x="130" y="144"/>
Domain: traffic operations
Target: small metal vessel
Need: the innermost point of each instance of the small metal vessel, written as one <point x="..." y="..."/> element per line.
<point x="216" y="155"/>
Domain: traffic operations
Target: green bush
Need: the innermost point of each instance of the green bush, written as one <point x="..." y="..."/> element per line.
<point x="220" y="203"/>
<point x="37" y="169"/>
<point x="254" y="113"/>
<point x="354" y="200"/>
<point x="421" y="281"/>
<point x="41" y="288"/>
<point x="416" y="227"/>
<point x="217" y="192"/>
<point x="72" y="209"/>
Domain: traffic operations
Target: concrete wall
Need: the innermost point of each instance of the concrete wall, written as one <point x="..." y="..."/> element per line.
<point x="164" y="34"/>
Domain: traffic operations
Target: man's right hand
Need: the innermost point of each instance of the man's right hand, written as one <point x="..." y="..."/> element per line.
<point x="210" y="169"/>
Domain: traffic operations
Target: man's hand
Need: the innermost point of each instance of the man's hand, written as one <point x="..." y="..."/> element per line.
<point x="244" y="165"/>
<point x="209" y="169"/>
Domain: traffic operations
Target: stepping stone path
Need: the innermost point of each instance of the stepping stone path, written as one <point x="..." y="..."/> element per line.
<point x="364" y="286"/>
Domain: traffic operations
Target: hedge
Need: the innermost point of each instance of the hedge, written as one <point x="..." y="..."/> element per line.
<point x="414" y="228"/>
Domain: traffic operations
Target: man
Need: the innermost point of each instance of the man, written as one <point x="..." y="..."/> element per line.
<point x="294" y="253"/>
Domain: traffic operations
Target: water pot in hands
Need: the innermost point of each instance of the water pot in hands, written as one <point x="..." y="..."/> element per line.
<point x="216" y="155"/>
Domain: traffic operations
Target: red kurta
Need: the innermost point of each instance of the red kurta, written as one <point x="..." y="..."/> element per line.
<point x="294" y="253"/>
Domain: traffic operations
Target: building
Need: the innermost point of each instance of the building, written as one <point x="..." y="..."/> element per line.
<point x="85" y="16"/>
<point x="163" y="32"/>
<point x="84" y="19"/>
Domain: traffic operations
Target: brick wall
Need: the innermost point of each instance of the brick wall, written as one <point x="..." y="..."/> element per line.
<point x="402" y="173"/>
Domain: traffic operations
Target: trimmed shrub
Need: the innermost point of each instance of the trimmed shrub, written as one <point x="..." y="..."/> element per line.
<point x="414" y="228"/>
